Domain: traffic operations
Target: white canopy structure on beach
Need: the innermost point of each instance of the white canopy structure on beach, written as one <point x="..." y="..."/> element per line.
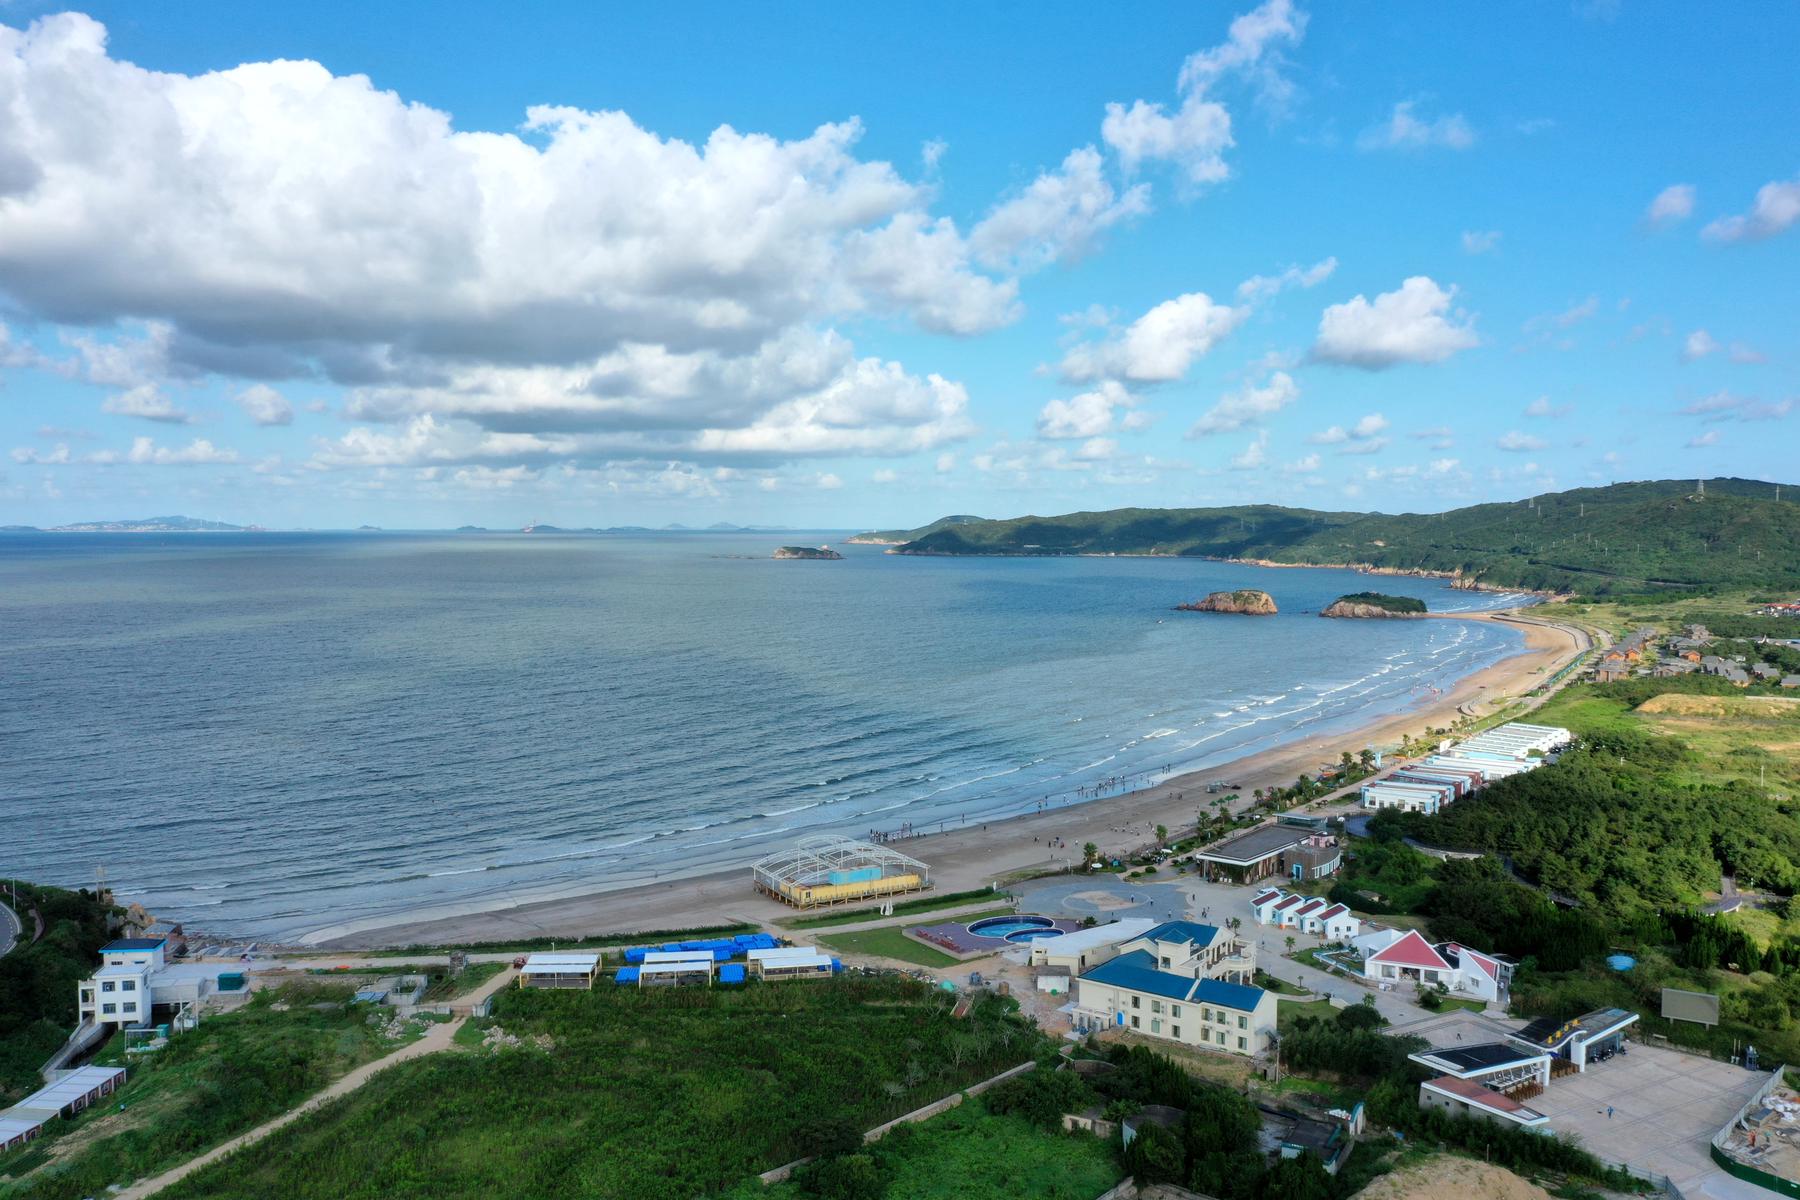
<point x="676" y="966"/>
<point x="826" y="869"/>
<point x="559" y="971"/>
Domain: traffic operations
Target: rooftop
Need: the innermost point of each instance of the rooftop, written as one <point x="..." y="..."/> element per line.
<point x="1483" y="1056"/>
<point x="1254" y="845"/>
<point x="1183" y="931"/>
<point x="1473" y="1093"/>
<point x="122" y="945"/>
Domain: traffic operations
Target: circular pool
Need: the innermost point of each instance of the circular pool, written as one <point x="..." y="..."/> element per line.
<point x="1015" y="929"/>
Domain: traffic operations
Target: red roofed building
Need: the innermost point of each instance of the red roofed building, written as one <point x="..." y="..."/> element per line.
<point x="1450" y="965"/>
<point x="1447" y="1093"/>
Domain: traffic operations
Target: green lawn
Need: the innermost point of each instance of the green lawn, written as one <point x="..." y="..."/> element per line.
<point x="888" y="943"/>
<point x="629" y="1094"/>
<point x="234" y="1072"/>
<point x="1289" y="1011"/>
<point x="969" y="1152"/>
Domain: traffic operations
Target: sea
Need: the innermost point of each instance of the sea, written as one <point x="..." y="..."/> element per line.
<point x="282" y="736"/>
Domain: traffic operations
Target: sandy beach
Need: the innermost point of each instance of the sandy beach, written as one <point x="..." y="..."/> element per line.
<point x="970" y="856"/>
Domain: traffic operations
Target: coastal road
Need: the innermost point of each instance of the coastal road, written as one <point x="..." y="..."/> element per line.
<point x="10" y="929"/>
<point x="438" y="1037"/>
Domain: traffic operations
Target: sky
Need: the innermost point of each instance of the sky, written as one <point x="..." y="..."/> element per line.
<point x="424" y="265"/>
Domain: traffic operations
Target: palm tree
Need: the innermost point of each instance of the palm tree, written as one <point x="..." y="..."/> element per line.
<point x="1089" y="853"/>
<point x="1367" y="758"/>
<point x="1290" y="944"/>
<point x="1162" y="835"/>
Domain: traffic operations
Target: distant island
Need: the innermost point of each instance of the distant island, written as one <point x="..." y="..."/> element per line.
<point x="1708" y="533"/>
<point x="1373" y="604"/>
<point x="812" y="552"/>
<point x="1246" y="601"/>
<point x="148" y="525"/>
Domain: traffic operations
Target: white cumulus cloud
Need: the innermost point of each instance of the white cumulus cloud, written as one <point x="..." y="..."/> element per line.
<point x="265" y="405"/>
<point x="1776" y="208"/>
<point x="1412" y="325"/>
<point x="1673" y="205"/>
<point x="1248" y="405"/>
<point x="1086" y="415"/>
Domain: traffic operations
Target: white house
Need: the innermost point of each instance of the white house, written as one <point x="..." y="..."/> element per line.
<point x="1309" y="914"/>
<point x="1132" y="992"/>
<point x="135" y="977"/>
<point x="119" y="993"/>
<point x="1409" y="958"/>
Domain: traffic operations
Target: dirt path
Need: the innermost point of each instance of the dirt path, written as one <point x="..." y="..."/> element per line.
<point x="438" y="1037"/>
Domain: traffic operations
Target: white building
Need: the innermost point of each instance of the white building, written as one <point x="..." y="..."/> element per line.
<point x="135" y="977"/>
<point x="1196" y="951"/>
<point x="1080" y="949"/>
<point x="1459" y="969"/>
<point x="1308" y="914"/>
<point x="1132" y="992"/>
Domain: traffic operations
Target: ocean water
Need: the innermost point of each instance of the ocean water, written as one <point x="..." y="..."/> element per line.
<point x="270" y="735"/>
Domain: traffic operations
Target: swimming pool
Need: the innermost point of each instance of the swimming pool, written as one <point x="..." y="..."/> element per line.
<point x="1015" y="929"/>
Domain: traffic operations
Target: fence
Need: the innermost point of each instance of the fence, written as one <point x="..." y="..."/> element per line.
<point x="1743" y="1170"/>
<point x="778" y="1174"/>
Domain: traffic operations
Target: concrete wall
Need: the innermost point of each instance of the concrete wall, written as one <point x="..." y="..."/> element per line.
<point x="778" y="1174"/>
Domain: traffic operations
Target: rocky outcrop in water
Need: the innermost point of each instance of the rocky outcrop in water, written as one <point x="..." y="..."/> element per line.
<point x="813" y="552"/>
<point x="1374" y="604"/>
<point x="1246" y="601"/>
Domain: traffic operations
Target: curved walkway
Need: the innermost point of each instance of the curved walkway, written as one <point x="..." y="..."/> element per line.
<point x="10" y="929"/>
<point x="438" y="1037"/>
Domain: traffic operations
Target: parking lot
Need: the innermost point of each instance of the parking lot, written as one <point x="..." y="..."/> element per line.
<point x="1665" y="1105"/>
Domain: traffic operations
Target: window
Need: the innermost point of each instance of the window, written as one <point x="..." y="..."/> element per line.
<point x="1243" y="1023"/>
<point x="1155" y="1025"/>
<point x="108" y="1008"/>
<point x="1175" y="1032"/>
<point x="1206" y="1014"/>
<point x="1134" y="1002"/>
<point x="1221" y="1038"/>
<point x="106" y="985"/>
<point x="1165" y="962"/>
<point x="1241" y="1045"/>
<point x="130" y="1006"/>
<point x="1156" y="1006"/>
<point x="1174" y="1010"/>
<point x="128" y="985"/>
<point x="1134" y="1021"/>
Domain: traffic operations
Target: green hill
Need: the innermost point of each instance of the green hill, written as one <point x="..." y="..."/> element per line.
<point x="1623" y="537"/>
<point x="894" y="537"/>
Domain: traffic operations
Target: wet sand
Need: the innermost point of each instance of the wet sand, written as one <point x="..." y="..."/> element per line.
<point x="973" y="855"/>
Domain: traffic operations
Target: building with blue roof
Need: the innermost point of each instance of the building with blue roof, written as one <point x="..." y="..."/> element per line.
<point x="1133" y="991"/>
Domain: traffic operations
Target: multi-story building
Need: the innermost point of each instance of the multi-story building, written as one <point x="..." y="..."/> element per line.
<point x="1182" y="981"/>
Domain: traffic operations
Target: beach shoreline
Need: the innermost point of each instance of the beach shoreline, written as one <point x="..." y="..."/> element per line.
<point x="976" y="854"/>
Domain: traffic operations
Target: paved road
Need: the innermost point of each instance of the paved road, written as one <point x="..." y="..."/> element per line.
<point x="10" y="930"/>
<point x="438" y="1037"/>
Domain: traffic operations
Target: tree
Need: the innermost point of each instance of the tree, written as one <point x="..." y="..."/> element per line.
<point x="1162" y="834"/>
<point x="1155" y="1155"/>
<point x="1290" y="943"/>
<point x="1089" y="852"/>
<point x="1367" y="759"/>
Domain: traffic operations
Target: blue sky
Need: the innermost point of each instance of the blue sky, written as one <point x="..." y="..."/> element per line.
<point x="422" y="265"/>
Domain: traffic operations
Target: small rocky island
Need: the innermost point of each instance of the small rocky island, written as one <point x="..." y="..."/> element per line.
<point x="818" y="552"/>
<point x="1246" y="601"/>
<point x="1373" y="604"/>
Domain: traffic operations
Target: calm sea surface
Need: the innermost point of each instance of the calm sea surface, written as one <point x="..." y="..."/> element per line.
<point x="272" y="734"/>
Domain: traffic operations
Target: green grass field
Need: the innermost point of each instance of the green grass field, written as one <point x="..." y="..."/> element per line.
<point x="619" y="1093"/>
<point x="1289" y="1011"/>
<point x="232" y="1073"/>
<point x="888" y="943"/>
<point x="970" y="1152"/>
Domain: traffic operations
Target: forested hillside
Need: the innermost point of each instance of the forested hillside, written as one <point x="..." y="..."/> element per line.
<point x="37" y="980"/>
<point x="1628" y="536"/>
